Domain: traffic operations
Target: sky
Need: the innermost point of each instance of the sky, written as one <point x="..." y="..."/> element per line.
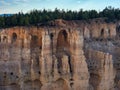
<point x="15" y="6"/>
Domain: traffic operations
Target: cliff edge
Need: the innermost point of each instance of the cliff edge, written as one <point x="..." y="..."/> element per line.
<point x="62" y="55"/>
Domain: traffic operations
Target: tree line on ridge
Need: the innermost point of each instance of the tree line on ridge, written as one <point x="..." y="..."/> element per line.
<point x="36" y="17"/>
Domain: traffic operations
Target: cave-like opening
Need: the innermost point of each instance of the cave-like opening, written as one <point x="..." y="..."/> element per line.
<point x="62" y="42"/>
<point x="14" y="37"/>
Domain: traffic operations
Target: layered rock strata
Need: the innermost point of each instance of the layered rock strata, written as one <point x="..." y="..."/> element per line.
<point x="63" y="55"/>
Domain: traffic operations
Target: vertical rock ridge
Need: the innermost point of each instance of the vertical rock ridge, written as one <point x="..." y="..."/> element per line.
<point x="84" y="56"/>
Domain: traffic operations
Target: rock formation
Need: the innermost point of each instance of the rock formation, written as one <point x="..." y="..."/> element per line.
<point x="63" y="55"/>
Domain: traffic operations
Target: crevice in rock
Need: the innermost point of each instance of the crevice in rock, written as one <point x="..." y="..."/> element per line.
<point x="59" y="65"/>
<point x="70" y="66"/>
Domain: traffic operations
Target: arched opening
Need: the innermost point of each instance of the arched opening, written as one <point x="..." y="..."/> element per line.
<point x="62" y="42"/>
<point x="109" y="32"/>
<point x="36" y="41"/>
<point x="62" y="49"/>
<point x="0" y="38"/>
<point x="109" y="35"/>
<point x="4" y="39"/>
<point x="118" y="31"/>
<point x="102" y="33"/>
<point x="51" y="36"/>
<point x="14" y="37"/>
<point x="36" y="48"/>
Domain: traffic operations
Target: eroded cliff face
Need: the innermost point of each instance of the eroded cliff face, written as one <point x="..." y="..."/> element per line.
<point x="66" y="55"/>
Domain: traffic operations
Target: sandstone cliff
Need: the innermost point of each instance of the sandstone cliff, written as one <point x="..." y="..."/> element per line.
<point x="64" y="55"/>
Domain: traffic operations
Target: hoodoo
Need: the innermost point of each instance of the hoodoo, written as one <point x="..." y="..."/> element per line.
<point x="62" y="55"/>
